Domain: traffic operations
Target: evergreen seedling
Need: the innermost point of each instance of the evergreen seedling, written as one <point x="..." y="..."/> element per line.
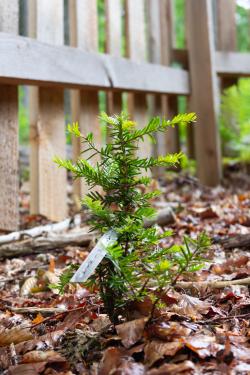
<point x="138" y="262"/>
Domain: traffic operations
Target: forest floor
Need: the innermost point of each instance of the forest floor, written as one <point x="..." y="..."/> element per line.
<point x="204" y="328"/>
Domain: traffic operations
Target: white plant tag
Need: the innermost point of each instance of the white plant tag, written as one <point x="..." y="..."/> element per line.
<point x="94" y="258"/>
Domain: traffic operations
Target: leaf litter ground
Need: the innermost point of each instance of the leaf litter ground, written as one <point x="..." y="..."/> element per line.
<point x="200" y="330"/>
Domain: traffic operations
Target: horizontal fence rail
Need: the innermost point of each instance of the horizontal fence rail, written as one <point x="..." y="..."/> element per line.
<point x="233" y="64"/>
<point x="28" y="61"/>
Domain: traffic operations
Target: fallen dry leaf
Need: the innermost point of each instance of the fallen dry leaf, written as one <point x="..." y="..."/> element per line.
<point x="230" y="265"/>
<point x="168" y="330"/>
<point x="110" y="361"/>
<point x="45" y="341"/>
<point x="241" y="352"/>
<point x="14" y="335"/>
<point x="114" y="362"/>
<point x="101" y="323"/>
<point x="129" y="367"/>
<point x="38" y="319"/>
<point x="51" y="338"/>
<point x="242" y="368"/>
<point x="186" y="367"/>
<point x="211" y="212"/>
<point x="27" y="369"/>
<point x="41" y="356"/>
<point x="156" y="349"/>
<point x="191" y="306"/>
<point x="131" y="332"/>
<point x="203" y="345"/>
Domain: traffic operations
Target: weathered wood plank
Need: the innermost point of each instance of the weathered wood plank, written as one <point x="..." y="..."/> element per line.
<point x="204" y="90"/>
<point x="136" y="51"/>
<point x="160" y="32"/>
<point x="33" y="119"/>
<point x="156" y="37"/>
<point x="226" y="33"/>
<point x="226" y="25"/>
<point x="51" y="142"/>
<point x="9" y="215"/>
<point x="46" y="65"/>
<point x="232" y="64"/>
<point x="74" y="94"/>
<point x="170" y="104"/>
<point x="87" y="40"/>
<point x="9" y="13"/>
<point x="52" y="185"/>
<point x="113" y="11"/>
<point x="155" y="57"/>
<point x="190" y="141"/>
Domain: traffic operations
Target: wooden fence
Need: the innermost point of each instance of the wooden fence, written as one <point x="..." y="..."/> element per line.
<point x="48" y="67"/>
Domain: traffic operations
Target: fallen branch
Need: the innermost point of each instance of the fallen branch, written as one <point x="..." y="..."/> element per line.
<point x="212" y="284"/>
<point x="242" y="240"/>
<point x="38" y="231"/>
<point x="46" y="237"/>
<point x="223" y="318"/>
<point x="40" y="244"/>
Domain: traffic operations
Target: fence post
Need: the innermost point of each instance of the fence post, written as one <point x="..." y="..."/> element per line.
<point x="9" y="213"/>
<point x="113" y="11"/>
<point x="204" y="90"/>
<point x="226" y="33"/>
<point x="50" y="132"/>
<point x="136" y="50"/>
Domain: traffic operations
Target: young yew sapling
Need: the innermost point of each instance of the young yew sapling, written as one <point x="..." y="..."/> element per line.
<point x="138" y="262"/>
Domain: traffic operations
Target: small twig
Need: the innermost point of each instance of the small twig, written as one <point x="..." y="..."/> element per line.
<point x="214" y="320"/>
<point x="35" y="310"/>
<point x="56" y="316"/>
<point x="212" y="284"/>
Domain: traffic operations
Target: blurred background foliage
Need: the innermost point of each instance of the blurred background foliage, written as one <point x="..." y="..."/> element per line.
<point x="234" y="119"/>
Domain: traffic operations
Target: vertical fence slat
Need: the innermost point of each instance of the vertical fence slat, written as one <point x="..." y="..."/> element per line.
<point x="160" y="49"/>
<point x="74" y="94"/>
<point x="33" y="120"/>
<point x="226" y="32"/>
<point x="155" y="57"/>
<point x="113" y="11"/>
<point x="9" y="215"/>
<point x="204" y="90"/>
<point x="226" y="25"/>
<point x="189" y="129"/>
<point x="9" y="13"/>
<point x="136" y="50"/>
<point x="87" y="39"/>
<point x="52" y="184"/>
<point x="170" y="103"/>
